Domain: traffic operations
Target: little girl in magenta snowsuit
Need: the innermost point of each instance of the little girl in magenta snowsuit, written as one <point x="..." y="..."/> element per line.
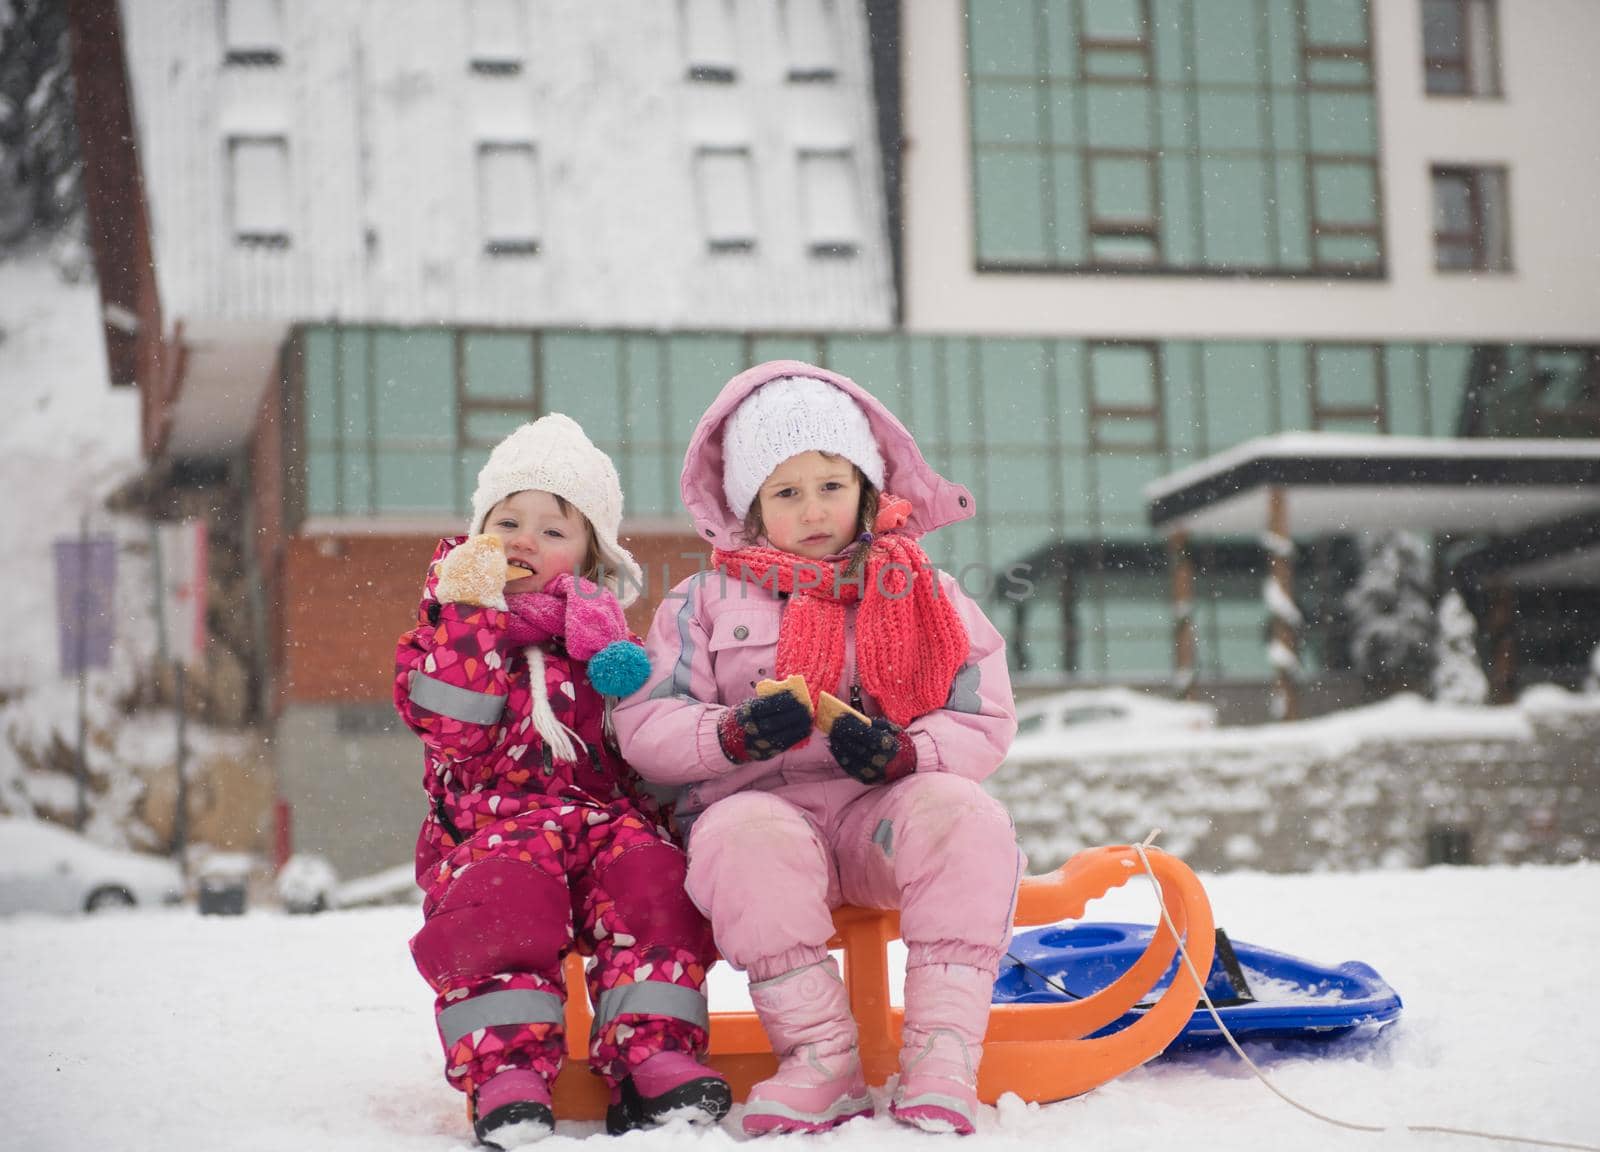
<point x="538" y="838"/>
<point x="813" y="496"/>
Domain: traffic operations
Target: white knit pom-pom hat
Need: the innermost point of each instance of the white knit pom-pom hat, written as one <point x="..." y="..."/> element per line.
<point x="783" y="418"/>
<point x="553" y="455"/>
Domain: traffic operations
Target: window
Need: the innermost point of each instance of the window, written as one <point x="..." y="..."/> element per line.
<point x="1125" y="398"/>
<point x="830" y="202"/>
<point x="708" y="40"/>
<point x="1236" y="137"/>
<point x="1348" y="388"/>
<point x="1470" y="229"/>
<point x="508" y="198"/>
<point x="725" y="186"/>
<point x="258" y="169"/>
<point x="497" y="37"/>
<point x="1460" y="50"/>
<point x="252" y="31"/>
<point x="810" y="28"/>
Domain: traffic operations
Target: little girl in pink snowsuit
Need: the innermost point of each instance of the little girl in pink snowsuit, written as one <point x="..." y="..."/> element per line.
<point x="539" y="838"/>
<point x="813" y="495"/>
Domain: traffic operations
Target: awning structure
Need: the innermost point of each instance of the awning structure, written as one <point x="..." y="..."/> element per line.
<point x="1536" y="501"/>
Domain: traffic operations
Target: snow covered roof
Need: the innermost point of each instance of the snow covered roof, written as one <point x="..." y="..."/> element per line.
<point x="1342" y="483"/>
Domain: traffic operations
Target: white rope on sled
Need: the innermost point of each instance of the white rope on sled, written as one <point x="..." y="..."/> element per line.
<point x="1262" y="1076"/>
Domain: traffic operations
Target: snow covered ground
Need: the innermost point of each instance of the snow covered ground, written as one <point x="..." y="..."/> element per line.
<point x="167" y="1031"/>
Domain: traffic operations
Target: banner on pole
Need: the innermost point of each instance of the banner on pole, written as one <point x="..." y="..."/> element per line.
<point x="183" y="589"/>
<point x="86" y="581"/>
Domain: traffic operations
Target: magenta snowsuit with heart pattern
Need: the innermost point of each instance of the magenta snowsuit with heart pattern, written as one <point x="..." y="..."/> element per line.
<point x="523" y="857"/>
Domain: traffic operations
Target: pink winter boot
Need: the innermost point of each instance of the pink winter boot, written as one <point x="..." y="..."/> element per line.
<point x="511" y="1108"/>
<point x="818" y="1083"/>
<point x="947" y="1013"/>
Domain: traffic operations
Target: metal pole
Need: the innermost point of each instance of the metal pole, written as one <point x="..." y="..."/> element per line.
<point x="180" y="818"/>
<point x="83" y="671"/>
<point x="1183" y="636"/>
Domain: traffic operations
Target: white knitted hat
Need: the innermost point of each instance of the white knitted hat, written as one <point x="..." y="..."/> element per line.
<point x="553" y="455"/>
<point x="783" y="418"/>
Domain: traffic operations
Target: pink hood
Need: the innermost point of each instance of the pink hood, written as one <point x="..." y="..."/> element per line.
<point x="935" y="501"/>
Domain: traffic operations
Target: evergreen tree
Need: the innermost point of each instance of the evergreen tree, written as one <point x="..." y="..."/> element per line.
<point x="1391" y="612"/>
<point x="41" y="186"/>
<point x="1457" y="675"/>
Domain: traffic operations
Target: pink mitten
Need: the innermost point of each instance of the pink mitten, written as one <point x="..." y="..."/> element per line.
<point x="474" y="573"/>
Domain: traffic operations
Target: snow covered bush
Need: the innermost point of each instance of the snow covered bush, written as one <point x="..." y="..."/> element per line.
<point x="1391" y="613"/>
<point x="1457" y="675"/>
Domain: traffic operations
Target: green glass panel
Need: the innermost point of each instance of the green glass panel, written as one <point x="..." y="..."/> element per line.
<point x="581" y="374"/>
<point x="1448" y="367"/>
<point x="1138" y="654"/>
<point x="1010" y="207"/>
<point x="1347" y="376"/>
<point x="1121" y="480"/>
<point x="467" y="467"/>
<point x="1024" y="481"/>
<point x="1334" y="70"/>
<point x="1004" y="112"/>
<point x="322" y="482"/>
<point x="1234" y="200"/>
<point x="1238" y="391"/>
<point x="1091" y="636"/>
<point x="416" y="481"/>
<point x="1352" y="425"/>
<point x="1060" y="37"/>
<point x="653" y="484"/>
<point x="874" y="362"/>
<point x="1343" y="122"/>
<point x="962" y="387"/>
<point x="1347" y="252"/>
<point x="497" y="366"/>
<point x="352" y="384"/>
<point x="1124" y="376"/>
<point x="1286" y="128"/>
<point x="415" y="390"/>
<point x="1283" y="43"/>
<point x="1345" y="193"/>
<point x="1337" y="23"/>
<point x="697" y="368"/>
<point x="1119" y="116"/>
<point x="1185" y="428"/>
<point x="1408" y="399"/>
<point x="1170" y="34"/>
<point x="1294" y="387"/>
<point x="1077" y="503"/>
<point x="1294" y="215"/>
<point x="1071" y="238"/>
<point x="1017" y="393"/>
<point x="967" y="552"/>
<point x="486" y="427"/>
<point x="1230" y="119"/>
<point x="355" y="485"/>
<point x="1111" y="250"/>
<point x="1063" y="103"/>
<point x="1225" y="37"/>
<point x="1242" y="653"/>
<point x="1180" y="232"/>
<point x="922" y="385"/>
<point x="785" y="348"/>
<point x="1072" y="394"/>
<point x="1122" y="187"/>
<point x="1128" y="432"/>
<point x="1113" y="19"/>
<point x="1000" y="34"/>
<point x="1115" y="64"/>
<point x="1177" y="118"/>
<point x="644" y="418"/>
<point x="319" y="374"/>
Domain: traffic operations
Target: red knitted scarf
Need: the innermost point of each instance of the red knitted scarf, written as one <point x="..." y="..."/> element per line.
<point x="910" y="641"/>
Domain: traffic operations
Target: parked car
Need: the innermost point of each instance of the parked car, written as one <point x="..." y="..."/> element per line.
<point x="1083" y="711"/>
<point x="47" y="868"/>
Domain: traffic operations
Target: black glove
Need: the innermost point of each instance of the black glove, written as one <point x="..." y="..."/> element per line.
<point x="875" y="752"/>
<point x="763" y="726"/>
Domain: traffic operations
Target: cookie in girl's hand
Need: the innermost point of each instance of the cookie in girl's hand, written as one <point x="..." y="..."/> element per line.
<point x="795" y="685"/>
<point x="474" y="572"/>
<point x="830" y="708"/>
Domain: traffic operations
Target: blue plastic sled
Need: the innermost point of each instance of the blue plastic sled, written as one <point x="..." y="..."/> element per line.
<point x="1260" y="994"/>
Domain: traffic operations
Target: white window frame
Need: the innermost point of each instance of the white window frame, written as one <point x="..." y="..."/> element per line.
<point x="510" y="219"/>
<point x="497" y="31"/>
<point x="725" y="188"/>
<point x="830" y="202"/>
<point x="251" y="31"/>
<point x="710" y="40"/>
<point x="811" y="37"/>
<point x="260" y="215"/>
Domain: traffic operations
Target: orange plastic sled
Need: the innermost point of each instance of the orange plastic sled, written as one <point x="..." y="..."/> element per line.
<point x="1038" y="1051"/>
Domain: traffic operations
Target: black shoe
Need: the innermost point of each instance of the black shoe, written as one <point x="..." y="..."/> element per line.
<point x="511" y="1125"/>
<point x="710" y="1096"/>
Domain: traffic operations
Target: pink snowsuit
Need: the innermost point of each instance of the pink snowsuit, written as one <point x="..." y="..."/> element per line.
<point x="775" y="845"/>
<point x="522" y="857"/>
